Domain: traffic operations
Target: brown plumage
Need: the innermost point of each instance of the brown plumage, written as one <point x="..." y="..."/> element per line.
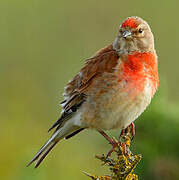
<point x="112" y="89"/>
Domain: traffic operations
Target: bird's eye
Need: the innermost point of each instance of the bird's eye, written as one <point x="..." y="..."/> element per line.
<point x="140" y="30"/>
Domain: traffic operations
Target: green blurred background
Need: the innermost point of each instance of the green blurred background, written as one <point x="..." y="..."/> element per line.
<point x="43" y="44"/>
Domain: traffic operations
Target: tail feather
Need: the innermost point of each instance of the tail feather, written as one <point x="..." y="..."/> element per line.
<point x="45" y="153"/>
<point x="48" y="145"/>
<point x="59" y="134"/>
<point x="45" y="149"/>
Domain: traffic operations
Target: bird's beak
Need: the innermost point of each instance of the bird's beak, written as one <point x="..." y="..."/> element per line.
<point x="126" y="34"/>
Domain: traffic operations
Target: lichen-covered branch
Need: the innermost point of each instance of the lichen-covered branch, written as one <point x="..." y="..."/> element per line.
<point x="122" y="166"/>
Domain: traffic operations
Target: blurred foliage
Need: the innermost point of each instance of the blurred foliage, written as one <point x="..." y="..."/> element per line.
<point x="43" y="44"/>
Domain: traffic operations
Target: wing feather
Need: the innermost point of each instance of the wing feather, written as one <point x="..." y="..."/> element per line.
<point x="76" y="90"/>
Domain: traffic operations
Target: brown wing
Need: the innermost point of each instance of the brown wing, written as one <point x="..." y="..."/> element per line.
<point x="104" y="60"/>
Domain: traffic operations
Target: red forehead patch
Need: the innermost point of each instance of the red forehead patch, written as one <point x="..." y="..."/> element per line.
<point x="130" y="22"/>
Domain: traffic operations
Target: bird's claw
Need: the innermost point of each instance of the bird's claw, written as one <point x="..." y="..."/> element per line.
<point x="115" y="144"/>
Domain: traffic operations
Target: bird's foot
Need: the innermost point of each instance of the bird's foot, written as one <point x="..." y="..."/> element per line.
<point x="112" y="141"/>
<point x="122" y="145"/>
<point x="125" y="138"/>
<point x="132" y="130"/>
<point x="129" y="131"/>
<point x="115" y="144"/>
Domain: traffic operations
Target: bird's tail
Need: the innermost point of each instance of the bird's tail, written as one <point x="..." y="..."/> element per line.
<point x="59" y="134"/>
<point x="45" y="149"/>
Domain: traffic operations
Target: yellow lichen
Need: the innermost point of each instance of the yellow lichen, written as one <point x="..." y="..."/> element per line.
<point x="122" y="166"/>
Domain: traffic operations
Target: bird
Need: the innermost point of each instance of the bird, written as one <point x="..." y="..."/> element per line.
<point x="112" y="89"/>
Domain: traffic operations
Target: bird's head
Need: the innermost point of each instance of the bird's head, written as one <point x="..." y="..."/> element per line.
<point x="134" y="35"/>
